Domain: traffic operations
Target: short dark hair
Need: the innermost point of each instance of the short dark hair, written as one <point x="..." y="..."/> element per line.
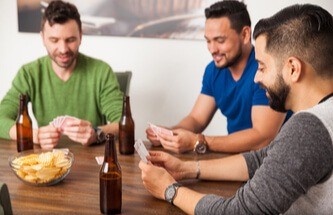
<point x="60" y="12"/>
<point x="235" y="11"/>
<point x="303" y="31"/>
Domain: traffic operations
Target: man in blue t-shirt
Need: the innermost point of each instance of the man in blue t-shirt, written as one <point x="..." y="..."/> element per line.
<point x="228" y="85"/>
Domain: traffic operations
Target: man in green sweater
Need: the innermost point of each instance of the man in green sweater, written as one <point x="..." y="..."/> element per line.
<point x="65" y="82"/>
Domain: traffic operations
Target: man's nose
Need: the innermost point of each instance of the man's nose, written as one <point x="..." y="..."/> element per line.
<point x="258" y="77"/>
<point x="63" y="47"/>
<point x="212" y="48"/>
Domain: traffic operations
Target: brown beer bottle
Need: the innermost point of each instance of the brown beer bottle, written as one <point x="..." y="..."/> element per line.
<point x="110" y="179"/>
<point x="126" y="129"/>
<point x="24" y="136"/>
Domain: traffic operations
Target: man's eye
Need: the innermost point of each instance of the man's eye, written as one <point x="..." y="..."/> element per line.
<point x="71" y="40"/>
<point x="260" y="69"/>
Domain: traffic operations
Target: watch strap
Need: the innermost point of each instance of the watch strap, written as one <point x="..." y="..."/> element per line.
<point x="200" y="147"/>
<point x="100" y="136"/>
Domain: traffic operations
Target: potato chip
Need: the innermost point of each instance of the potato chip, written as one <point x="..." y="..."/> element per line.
<point x="20" y="173"/>
<point x="37" y="167"/>
<point x="46" y="158"/>
<point x="31" y="178"/>
<point x="47" y="173"/>
<point x="29" y="160"/>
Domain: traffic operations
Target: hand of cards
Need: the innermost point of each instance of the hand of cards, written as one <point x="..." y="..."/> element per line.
<point x="159" y="130"/>
<point x="61" y="121"/>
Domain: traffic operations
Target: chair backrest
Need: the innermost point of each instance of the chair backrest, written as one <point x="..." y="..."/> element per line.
<point x="5" y="205"/>
<point x="124" y="79"/>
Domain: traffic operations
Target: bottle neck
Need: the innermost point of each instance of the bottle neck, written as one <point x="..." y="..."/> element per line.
<point x="110" y="150"/>
<point x="23" y="104"/>
<point x="126" y="106"/>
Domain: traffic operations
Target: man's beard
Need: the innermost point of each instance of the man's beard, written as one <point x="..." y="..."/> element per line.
<point x="68" y="64"/>
<point x="235" y="59"/>
<point x="278" y="95"/>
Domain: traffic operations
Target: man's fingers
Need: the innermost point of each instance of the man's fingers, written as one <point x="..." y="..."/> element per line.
<point x="48" y="135"/>
<point x="82" y="138"/>
<point x="48" y="143"/>
<point x="78" y="122"/>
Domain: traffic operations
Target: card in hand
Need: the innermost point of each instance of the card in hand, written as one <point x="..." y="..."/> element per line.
<point x="61" y="121"/>
<point x="66" y="120"/>
<point x="141" y="150"/>
<point x="159" y="130"/>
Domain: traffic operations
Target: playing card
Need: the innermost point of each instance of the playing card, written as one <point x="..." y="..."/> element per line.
<point x="99" y="159"/>
<point x="159" y="130"/>
<point x="65" y="150"/>
<point x="61" y="121"/>
<point x="65" y="120"/>
<point x="141" y="150"/>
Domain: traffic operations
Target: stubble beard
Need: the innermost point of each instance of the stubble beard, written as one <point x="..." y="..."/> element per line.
<point x="277" y="98"/>
<point x="72" y="58"/>
<point x="232" y="61"/>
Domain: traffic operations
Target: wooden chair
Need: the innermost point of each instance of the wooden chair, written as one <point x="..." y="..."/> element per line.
<point x="124" y="79"/>
<point x="5" y="205"/>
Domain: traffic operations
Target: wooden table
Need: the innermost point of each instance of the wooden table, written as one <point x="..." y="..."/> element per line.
<point x="78" y="193"/>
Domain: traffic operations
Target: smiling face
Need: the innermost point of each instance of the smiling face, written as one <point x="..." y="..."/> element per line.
<point x="62" y="43"/>
<point x="223" y="42"/>
<point x="269" y="76"/>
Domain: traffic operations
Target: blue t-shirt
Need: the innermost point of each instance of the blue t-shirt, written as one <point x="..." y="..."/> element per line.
<point x="234" y="98"/>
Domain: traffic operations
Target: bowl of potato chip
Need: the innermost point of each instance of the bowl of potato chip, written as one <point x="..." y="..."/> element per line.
<point x="42" y="168"/>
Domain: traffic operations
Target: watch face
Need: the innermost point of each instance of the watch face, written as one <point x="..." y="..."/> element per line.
<point x="170" y="193"/>
<point x="201" y="148"/>
<point x="100" y="135"/>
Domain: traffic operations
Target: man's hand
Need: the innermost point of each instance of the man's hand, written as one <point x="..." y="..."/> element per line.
<point x="80" y="131"/>
<point x="47" y="136"/>
<point x="178" y="169"/>
<point x="151" y="136"/>
<point x="180" y="142"/>
<point x="155" y="179"/>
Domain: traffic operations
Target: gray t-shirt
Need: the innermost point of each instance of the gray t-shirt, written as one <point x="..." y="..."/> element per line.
<point x="293" y="175"/>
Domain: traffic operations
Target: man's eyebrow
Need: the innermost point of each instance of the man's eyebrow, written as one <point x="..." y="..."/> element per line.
<point x="216" y="38"/>
<point x="259" y="61"/>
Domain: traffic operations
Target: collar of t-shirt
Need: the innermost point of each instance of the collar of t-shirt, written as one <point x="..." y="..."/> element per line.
<point x="326" y="97"/>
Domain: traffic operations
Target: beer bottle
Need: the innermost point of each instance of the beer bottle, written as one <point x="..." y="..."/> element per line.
<point x="24" y="138"/>
<point x="126" y="129"/>
<point x="110" y="179"/>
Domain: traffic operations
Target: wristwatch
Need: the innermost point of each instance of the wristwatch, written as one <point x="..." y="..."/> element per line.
<point x="200" y="146"/>
<point x="170" y="192"/>
<point x="100" y="135"/>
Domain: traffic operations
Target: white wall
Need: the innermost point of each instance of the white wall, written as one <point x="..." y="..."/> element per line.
<point x="166" y="73"/>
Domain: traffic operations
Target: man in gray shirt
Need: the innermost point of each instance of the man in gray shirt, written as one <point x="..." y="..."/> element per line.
<point x="293" y="175"/>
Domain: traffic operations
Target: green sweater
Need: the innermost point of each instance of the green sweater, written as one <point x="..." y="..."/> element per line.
<point x="91" y="93"/>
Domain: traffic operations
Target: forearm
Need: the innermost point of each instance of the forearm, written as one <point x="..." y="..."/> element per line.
<point x="6" y="126"/>
<point x="187" y="199"/>
<point x="190" y="123"/>
<point x="241" y="141"/>
<point x="111" y="128"/>
<point x="231" y="168"/>
<point x="12" y="132"/>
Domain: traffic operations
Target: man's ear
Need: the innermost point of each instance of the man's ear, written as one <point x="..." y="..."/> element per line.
<point x="294" y="66"/>
<point x="246" y="34"/>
